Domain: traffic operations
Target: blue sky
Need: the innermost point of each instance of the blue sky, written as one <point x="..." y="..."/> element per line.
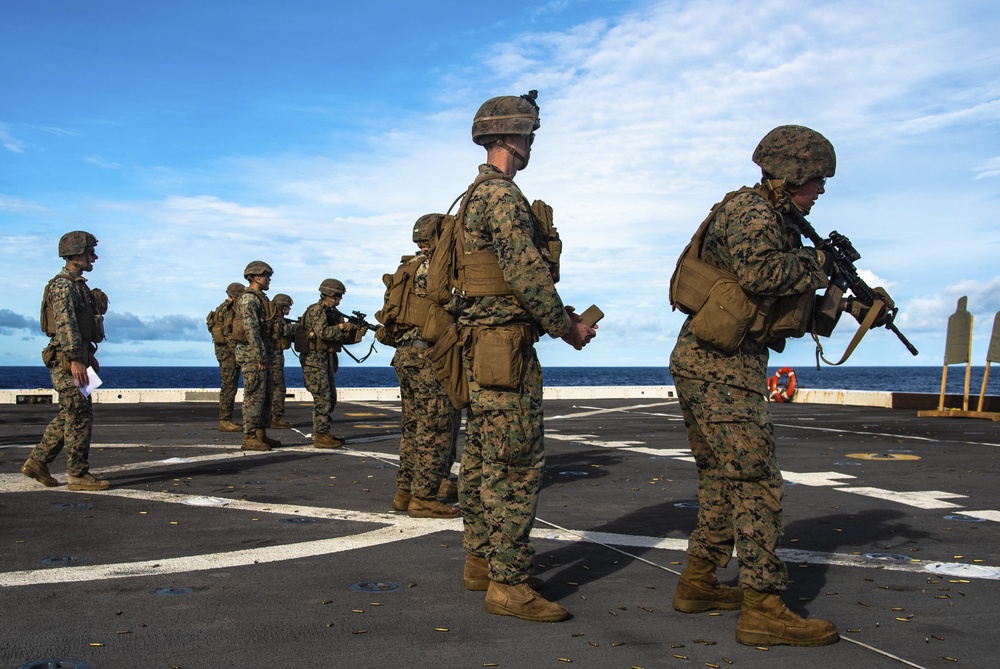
<point x="193" y="137"/>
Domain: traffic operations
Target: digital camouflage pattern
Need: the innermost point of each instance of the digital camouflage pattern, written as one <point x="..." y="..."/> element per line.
<point x="428" y="418"/>
<point x="281" y="333"/>
<point x="320" y="367"/>
<point x="225" y="354"/>
<point x="795" y="153"/>
<point x="71" y="429"/>
<point x="722" y="396"/>
<point x="750" y="239"/>
<point x="499" y="219"/>
<point x="739" y="482"/>
<point x="504" y="452"/>
<point x="501" y="473"/>
<point x="258" y="384"/>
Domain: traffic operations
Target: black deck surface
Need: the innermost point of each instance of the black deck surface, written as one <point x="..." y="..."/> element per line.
<point x="892" y="531"/>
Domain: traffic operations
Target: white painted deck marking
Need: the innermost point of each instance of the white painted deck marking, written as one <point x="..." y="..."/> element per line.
<point x="596" y="411"/>
<point x="816" y="479"/>
<point x="991" y="514"/>
<point x="922" y="499"/>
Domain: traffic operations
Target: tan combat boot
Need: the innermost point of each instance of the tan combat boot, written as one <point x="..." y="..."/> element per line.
<point x="278" y="423"/>
<point x="764" y="621"/>
<point x="262" y="436"/>
<point x="522" y="602"/>
<point x="87" y="482"/>
<point x="326" y="440"/>
<point x="39" y="471"/>
<point x="430" y="508"/>
<point x="229" y="426"/>
<point x="401" y="502"/>
<point x="698" y="590"/>
<point x="476" y="575"/>
<point x="448" y="489"/>
<point x="252" y="443"/>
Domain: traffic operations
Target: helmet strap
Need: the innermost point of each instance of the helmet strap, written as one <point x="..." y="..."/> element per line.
<point x="514" y="152"/>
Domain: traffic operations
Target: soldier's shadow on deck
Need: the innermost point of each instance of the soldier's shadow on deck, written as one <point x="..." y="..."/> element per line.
<point x="568" y="569"/>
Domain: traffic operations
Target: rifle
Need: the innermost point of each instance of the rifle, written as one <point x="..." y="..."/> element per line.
<point x="845" y="276"/>
<point x="357" y="318"/>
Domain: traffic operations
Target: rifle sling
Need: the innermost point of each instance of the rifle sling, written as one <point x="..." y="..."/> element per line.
<point x="863" y="328"/>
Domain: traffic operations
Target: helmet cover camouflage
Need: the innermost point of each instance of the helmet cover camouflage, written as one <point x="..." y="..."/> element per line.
<point x="281" y="300"/>
<point x="76" y="242"/>
<point x="256" y="268"/>
<point x="796" y="154"/>
<point x="234" y="290"/>
<point x="427" y="228"/>
<point x="332" y="288"/>
<point x="505" y="115"/>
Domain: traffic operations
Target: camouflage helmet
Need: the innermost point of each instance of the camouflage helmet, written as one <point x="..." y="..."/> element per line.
<point x="76" y="242"/>
<point x="235" y="289"/>
<point x="505" y="115"/>
<point x="332" y="288"/>
<point x="796" y="154"/>
<point x="256" y="268"/>
<point x="281" y="300"/>
<point x="427" y="228"/>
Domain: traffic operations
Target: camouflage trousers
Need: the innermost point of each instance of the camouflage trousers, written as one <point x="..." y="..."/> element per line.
<point x="278" y="372"/>
<point x="739" y="482"/>
<point x="428" y="419"/>
<point x="230" y="373"/>
<point x="501" y="474"/>
<point x="258" y="387"/>
<point x="318" y="374"/>
<point x="71" y="429"/>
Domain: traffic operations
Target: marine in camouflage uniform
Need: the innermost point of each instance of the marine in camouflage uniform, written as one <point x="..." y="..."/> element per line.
<point x="326" y="333"/>
<point x="429" y="421"/>
<point x="220" y="325"/>
<point x="282" y="333"/>
<point x="72" y="316"/>
<point x="503" y="458"/>
<point x="254" y="354"/>
<point x="723" y="401"/>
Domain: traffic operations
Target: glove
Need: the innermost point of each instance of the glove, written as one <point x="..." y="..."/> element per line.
<point x="827" y="257"/>
<point x="860" y="310"/>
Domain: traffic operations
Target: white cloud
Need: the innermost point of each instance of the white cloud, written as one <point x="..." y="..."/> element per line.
<point x="98" y="161"/>
<point x="17" y="205"/>
<point x="8" y="141"/>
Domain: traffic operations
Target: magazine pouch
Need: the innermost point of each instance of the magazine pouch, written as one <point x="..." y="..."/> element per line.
<point x="498" y="361"/>
<point x="725" y="318"/>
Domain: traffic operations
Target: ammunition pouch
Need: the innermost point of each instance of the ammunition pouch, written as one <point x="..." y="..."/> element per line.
<point x="726" y="315"/>
<point x="239" y="330"/>
<point x="446" y="357"/>
<point x="49" y="355"/>
<point x="498" y="356"/>
<point x="306" y="341"/>
<point x="788" y="316"/>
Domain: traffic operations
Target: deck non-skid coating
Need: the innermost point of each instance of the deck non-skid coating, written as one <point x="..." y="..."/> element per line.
<point x="202" y="555"/>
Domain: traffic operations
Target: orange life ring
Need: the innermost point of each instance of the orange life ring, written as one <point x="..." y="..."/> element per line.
<point x="782" y="385"/>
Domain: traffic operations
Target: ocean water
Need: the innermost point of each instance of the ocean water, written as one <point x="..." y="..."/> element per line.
<point x="897" y="379"/>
